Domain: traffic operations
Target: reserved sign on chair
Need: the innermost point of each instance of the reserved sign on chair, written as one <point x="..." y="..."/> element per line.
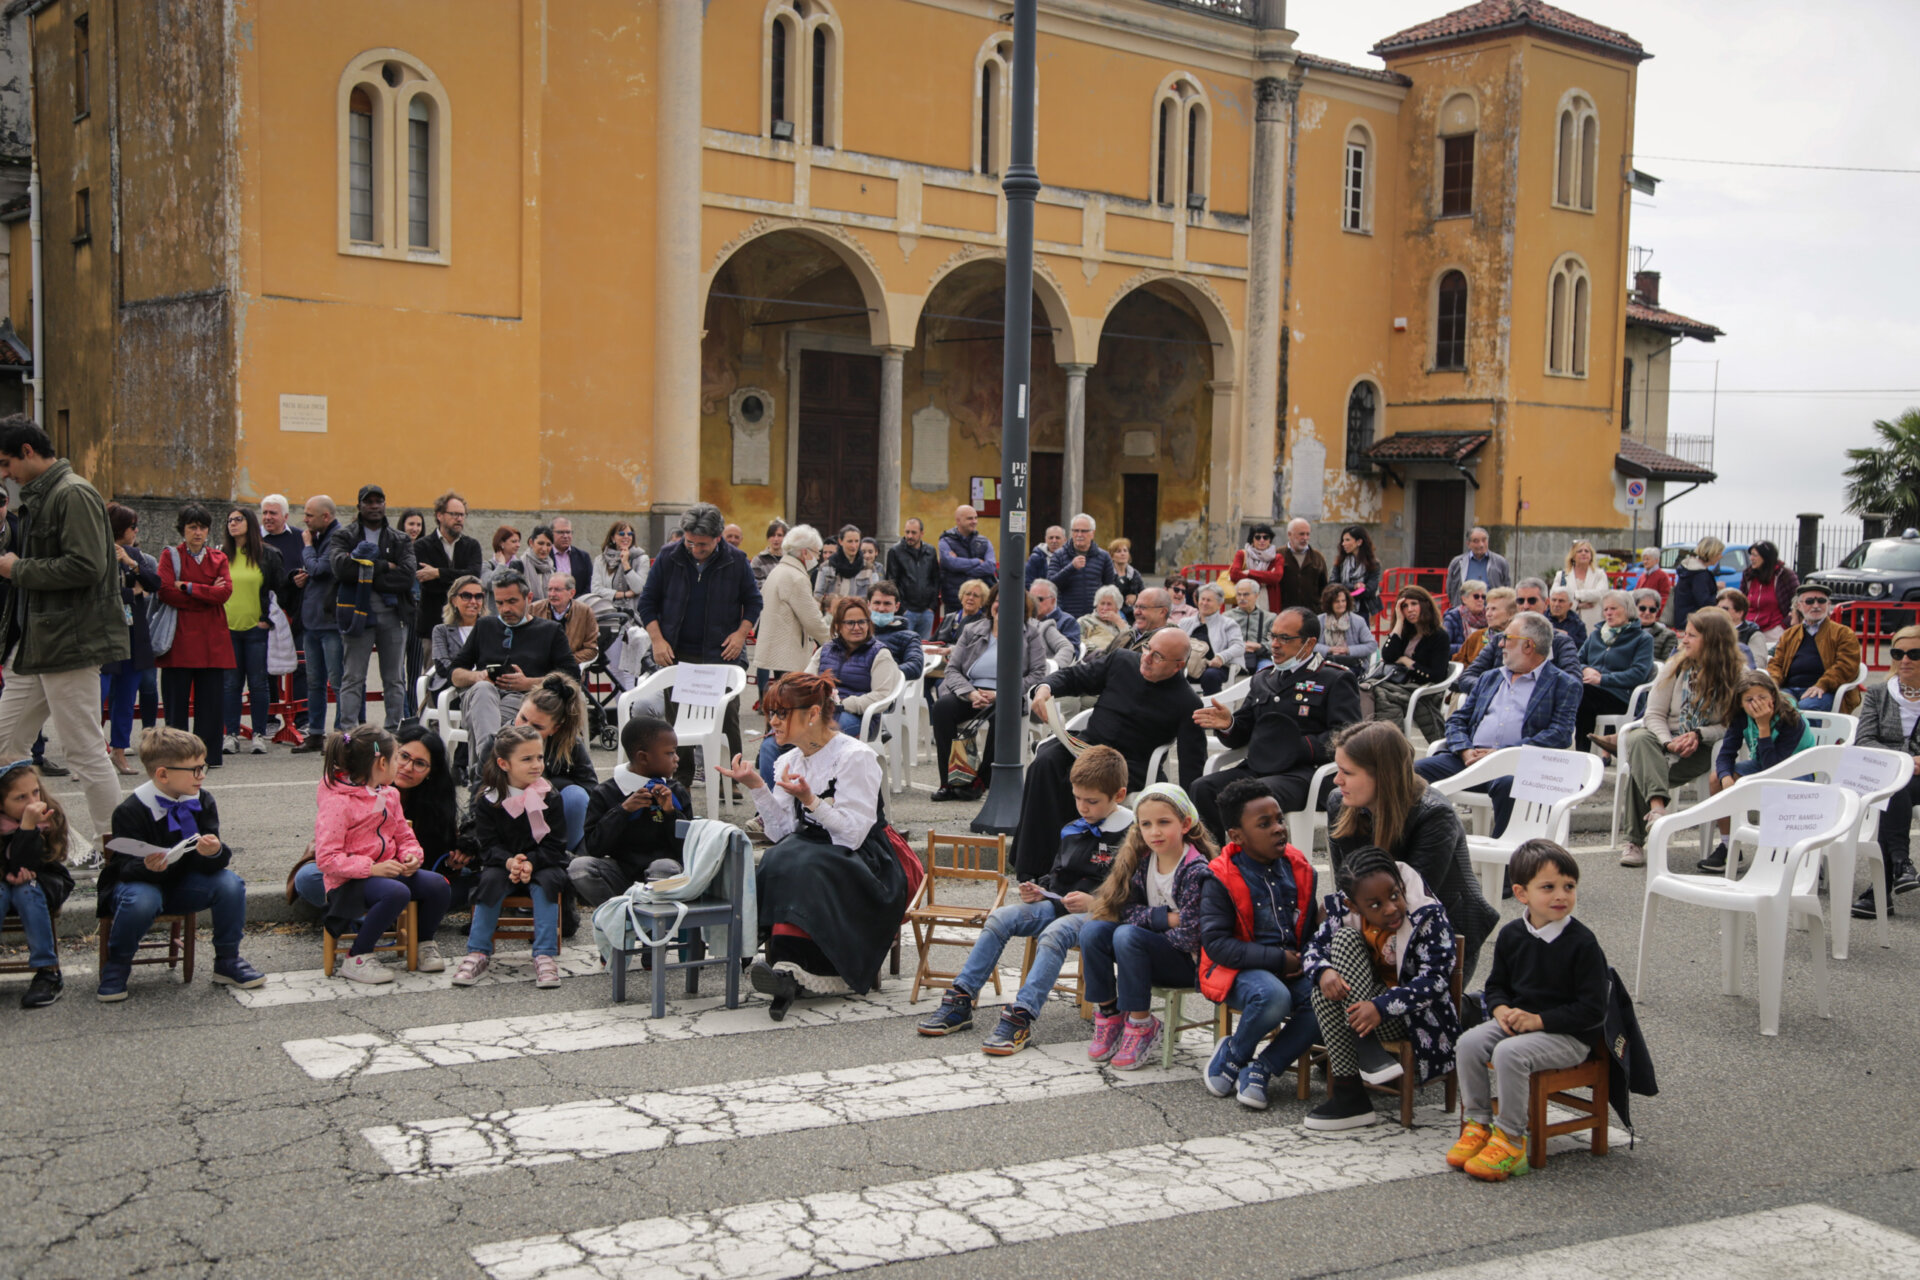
<point x="700" y="686"/>
<point x="1547" y="777"/>
<point x="1791" y="814"/>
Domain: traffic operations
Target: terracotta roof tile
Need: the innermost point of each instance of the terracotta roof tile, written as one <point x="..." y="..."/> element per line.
<point x="1670" y="321"/>
<point x="1643" y="460"/>
<point x="1428" y="446"/>
<point x="1497" y="15"/>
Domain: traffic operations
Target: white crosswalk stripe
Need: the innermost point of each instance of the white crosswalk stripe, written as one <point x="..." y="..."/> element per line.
<point x="602" y="1127"/>
<point x="835" y="1232"/>
<point x="533" y="1035"/>
<point x="313" y="986"/>
<point x="1796" y="1240"/>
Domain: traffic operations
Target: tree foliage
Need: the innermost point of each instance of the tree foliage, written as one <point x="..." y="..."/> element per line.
<point x="1885" y="478"/>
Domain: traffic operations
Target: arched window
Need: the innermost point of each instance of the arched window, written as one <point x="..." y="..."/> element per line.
<point x="1356" y="181"/>
<point x="1459" y="121"/>
<point x="395" y="168"/>
<point x="1450" y="322"/>
<point x="993" y="104"/>
<point x="1363" y="420"/>
<point x="800" y="72"/>
<point x="1577" y="153"/>
<point x="1569" y="302"/>
<point x="1182" y="143"/>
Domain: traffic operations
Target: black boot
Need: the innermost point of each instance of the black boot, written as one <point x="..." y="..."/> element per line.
<point x="1347" y="1107"/>
<point x="775" y="983"/>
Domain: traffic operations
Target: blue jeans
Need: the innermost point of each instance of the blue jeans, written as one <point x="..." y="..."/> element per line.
<point x="573" y="802"/>
<point x="1265" y="1001"/>
<point x="546" y="923"/>
<point x="137" y="902"/>
<point x="1812" y="700"/>
<point x="324" y="665"/>
<point x="120" y="691"/>
<point x="386" y="630"/>
<point x="921" y="620"/>
<point x="1448" y="763"/>
<point x="1141" y="958"/>
<point x="29" y="902"/>
<point x="250" y="667"/>
<point x="1058" y="935"/>
<point x="311" y="886"/>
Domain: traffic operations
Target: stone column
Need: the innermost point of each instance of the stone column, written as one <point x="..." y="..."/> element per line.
<point x="887" y="509"/>
<point x="1073" y="469"/>
<point x="1266" y="304"/>
<point x="675" y="482"/>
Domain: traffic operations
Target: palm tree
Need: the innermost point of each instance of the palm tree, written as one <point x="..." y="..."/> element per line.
<point x="1886" y="478"/>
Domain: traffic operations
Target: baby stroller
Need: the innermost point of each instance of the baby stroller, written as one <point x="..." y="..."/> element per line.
<point x="602" y="690"/>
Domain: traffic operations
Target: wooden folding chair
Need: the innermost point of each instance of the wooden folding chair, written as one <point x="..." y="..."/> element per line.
<point x="182" y="931"/>
<point x="516" y="919"/>
<point x="928" y="915"/>
<point x="1545" y="1087"/>
<point x="404" y="937"/>
<point x="11" y="925"/>
<point x="1074" y="984"/>
<point x="1404" y="1088"/>
<point x="1220" y="1019"/>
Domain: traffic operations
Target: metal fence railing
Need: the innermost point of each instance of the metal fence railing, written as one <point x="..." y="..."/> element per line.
<point x="1836" y="537"/>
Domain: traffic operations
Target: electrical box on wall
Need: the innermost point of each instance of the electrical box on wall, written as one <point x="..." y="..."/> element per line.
<point x="1399" y="324"/>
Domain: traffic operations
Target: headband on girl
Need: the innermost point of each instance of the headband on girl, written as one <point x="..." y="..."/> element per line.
<point x="21" y="763"/>
<point x="1173" y="795"/>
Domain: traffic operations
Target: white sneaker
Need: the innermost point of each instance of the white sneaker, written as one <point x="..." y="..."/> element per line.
<point x="1632" y="855"/>
<point x="258" y="745"/>
<point x="363" y="969"/>
<point x="428" y="959"/>
<point x="230" y="744"/>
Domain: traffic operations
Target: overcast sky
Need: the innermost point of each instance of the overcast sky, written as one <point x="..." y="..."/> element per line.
<point x="1811" y="274"/>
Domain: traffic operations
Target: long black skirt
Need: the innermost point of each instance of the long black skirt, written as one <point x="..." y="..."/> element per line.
<point x="849" y="902"/>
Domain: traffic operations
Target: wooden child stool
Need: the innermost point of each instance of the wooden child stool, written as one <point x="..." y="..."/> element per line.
<point x="405" y="938"/>
<point x="182" y="931"/>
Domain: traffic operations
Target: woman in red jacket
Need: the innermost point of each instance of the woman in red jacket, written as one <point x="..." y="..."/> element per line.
<point x="196" y="581"/>
<point x="1261" y="561"/>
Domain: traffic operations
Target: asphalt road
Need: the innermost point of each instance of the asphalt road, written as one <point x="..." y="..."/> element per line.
<point x="308" y="1129"/>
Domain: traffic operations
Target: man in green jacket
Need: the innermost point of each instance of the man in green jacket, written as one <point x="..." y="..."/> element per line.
<point x="63" y="618"/>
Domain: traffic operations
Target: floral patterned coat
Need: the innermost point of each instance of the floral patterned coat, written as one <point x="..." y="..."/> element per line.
<point x="1424" y="998"/>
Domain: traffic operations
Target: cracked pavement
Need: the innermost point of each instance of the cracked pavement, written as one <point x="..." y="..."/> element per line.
<point x="182" y="1135"/>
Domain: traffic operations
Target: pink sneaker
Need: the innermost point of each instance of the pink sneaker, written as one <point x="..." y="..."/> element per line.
<point x="475" y="964"/>
<point x="546" y="972"/>
<point x="1106" y="1036"/>
<point x="1138" y="1044"/>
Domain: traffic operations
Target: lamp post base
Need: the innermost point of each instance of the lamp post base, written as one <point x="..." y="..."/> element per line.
<point x="1000" y="815"/>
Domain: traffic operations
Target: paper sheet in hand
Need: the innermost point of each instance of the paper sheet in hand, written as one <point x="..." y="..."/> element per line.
<point x="1543" y="777"/>
<point x="141" y="849"/>
<point x="1791" y="814"/>
<point x="1048" y="894"/>
<point x="700" y="686"/>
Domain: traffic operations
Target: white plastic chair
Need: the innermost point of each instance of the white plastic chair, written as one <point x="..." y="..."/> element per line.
<point x="1438" y="689"/>
<point x="442" y="715"/>
<point x="902" y="721"/>
<point x="1840" y="694"/>
<point x="1778" y="888"/>
<point x="877" y="712"/>
<point x="1530" y="819"/>
<point x="703" y="727"/>
<point x="1887" y="771"/>
<point x="1831" y="728"/>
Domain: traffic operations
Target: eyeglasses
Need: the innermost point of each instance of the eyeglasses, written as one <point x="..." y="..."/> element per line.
<point x="1905" y="655"/>
<point x="198" y="770"/>
<point x="778" y="713"/>
<point x="1282" y="637"/>
<point x="236" y="519"/>
<point x="405" y="761"/>
<point x="854" y="622"/>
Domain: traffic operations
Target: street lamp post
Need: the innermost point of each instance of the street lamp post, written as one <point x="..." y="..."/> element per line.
<point x="1001" y="812"/>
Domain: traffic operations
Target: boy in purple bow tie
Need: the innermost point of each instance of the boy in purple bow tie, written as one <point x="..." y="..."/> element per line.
<point x="167" y="809"/>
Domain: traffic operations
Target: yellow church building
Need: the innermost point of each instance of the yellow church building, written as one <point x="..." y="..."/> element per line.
<point x="612" y="257"/>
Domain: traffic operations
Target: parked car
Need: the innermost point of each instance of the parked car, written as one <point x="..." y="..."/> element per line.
<point x="1733" y="563"/>
<point x="1879" y="569"/>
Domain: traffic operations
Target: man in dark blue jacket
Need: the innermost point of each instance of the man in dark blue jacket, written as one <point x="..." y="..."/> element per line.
<point x="325" y="657"/>
<point x="1527" y="702"/>
<point x="964" y="554"/>
<point x="699" y="606"/>
<point x="891" y="629"/>
<point x="1080" y="568"/>
<point x="1056" y="538"/>
<point x="914" y="567"/>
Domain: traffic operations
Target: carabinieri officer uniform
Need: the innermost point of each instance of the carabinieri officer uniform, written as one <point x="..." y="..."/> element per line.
<point x="1287" y="724"/>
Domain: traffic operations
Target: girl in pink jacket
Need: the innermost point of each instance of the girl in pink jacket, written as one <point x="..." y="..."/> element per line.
<point x="368" y="857"/>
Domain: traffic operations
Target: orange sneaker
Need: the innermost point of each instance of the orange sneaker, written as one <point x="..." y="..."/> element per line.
<point x="1499" y="1160"/>
<point x="1473" y="1136"/>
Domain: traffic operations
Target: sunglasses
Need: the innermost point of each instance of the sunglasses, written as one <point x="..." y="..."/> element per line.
<point x="1649" y="608"/>
<point x="470" y="595"/>
<point x="1905" y="655"/>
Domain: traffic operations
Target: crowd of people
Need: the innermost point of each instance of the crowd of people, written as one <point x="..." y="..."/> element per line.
<point x="1157" y="883"/>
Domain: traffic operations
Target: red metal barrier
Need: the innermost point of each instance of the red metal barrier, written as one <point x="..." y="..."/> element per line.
<point x="1876" y="623"/>
<point x="1203" y="572"/>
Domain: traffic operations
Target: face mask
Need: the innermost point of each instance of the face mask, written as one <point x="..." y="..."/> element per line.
<point x="1295" y="663"/>
<point x="883" y="619"/>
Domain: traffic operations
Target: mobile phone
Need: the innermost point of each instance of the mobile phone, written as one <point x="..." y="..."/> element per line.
<point x="494" y="670"/>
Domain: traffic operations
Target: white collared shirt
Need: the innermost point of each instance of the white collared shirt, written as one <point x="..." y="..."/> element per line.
<point x="1549" y="933"/>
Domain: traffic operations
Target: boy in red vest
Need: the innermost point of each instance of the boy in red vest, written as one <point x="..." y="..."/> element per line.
<point x="1256" y="914"/>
